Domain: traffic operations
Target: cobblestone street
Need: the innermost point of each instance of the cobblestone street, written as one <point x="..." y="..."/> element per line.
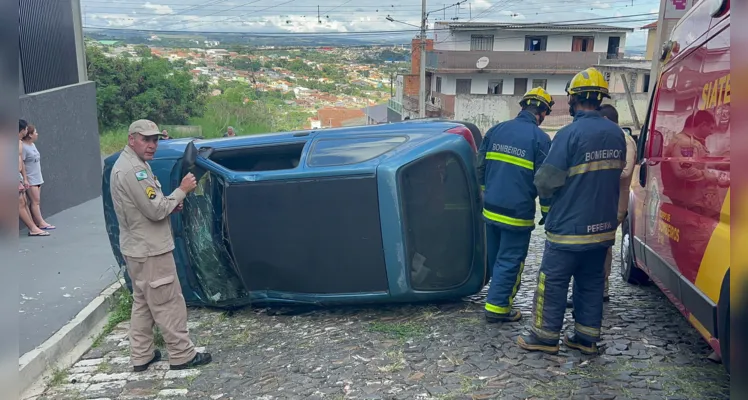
<point x="432" y="351"/>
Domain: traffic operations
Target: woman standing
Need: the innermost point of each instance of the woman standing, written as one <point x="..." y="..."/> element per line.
<point x="31" y="160"/>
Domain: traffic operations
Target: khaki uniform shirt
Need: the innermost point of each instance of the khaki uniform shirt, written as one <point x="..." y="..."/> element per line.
<point x="142" y="209"/>
<point x="626" y="176"/>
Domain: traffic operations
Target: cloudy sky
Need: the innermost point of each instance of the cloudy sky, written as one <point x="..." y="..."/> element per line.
<point x="356" y="16"/>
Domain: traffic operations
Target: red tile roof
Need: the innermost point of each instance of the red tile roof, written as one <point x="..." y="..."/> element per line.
<point x="653" y="25"/>
<point x="334" y="116"/>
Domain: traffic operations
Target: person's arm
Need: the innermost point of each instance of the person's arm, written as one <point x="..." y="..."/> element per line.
<point x="541" y="153"/>
<point x="21" y="164"/>
<point x="482" y="161"/>
<point x="551" y="176"/>
<point x="142" y="190"/>
<point x="628" y="169"/>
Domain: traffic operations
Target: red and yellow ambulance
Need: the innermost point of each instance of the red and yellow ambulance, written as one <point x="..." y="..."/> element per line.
<point x="677" y="232"/>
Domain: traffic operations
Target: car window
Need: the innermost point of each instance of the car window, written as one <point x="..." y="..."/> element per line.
<point x="344" y="151"/>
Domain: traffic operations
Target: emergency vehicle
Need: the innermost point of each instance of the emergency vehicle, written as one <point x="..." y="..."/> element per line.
<point x="677" y="232"/>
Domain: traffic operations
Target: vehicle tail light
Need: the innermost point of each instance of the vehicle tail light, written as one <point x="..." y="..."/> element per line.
<point x="465" y="132"/>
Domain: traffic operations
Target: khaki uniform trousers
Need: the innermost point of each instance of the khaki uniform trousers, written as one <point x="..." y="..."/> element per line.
<point x="157" y="298"/>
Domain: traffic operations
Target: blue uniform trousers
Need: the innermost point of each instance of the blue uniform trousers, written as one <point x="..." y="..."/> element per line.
<point x="549" y="303"/>
<point x="507" y="250"/>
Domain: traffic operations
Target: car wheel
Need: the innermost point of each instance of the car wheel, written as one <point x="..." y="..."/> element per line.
<point x="629" y="271"/>
<point x="723" y="309"/>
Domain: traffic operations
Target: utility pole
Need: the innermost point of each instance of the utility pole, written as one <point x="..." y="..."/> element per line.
<point x="422" y="86"/>
<point x="661" y="35"/>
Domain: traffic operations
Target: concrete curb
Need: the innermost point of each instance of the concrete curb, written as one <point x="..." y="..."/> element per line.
<point x="66" y="346"/>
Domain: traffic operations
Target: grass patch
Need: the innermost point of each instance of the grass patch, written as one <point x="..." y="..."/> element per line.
<point x="104" y="368"/>
<point x="112" y="141"/>
<point x="158" y="338"/>
<point x="59" y="377"/>
<point x="399" y="330"/>
<point x="119" y="311"/>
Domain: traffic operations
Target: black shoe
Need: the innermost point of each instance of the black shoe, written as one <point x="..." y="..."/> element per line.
<point x="156" y="358"/>
<point x="572" y="341"/>
<point x="200" y="359"/>
<point x="606" y="299"/>
<point x="511" y="316"/>
<point x="530" y="342"/>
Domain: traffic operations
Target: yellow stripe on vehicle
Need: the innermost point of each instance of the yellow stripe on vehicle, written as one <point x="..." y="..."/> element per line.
<point x="507" y="220"/>
<point x="581" y="239"/>
<point x="595" y="166"/>
<point x="716" y="258"/>
<point x="510" y="159"/>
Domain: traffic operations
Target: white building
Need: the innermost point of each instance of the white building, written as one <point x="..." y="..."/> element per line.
<point x="511" y="58"/>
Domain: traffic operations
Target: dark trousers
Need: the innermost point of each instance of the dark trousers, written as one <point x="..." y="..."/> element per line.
<point x="549" y="303"/>
<point x="507" y="250"/>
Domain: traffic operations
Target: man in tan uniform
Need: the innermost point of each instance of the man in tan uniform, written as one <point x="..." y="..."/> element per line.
<point x="146" y="242"/>
<point x="610" y="112"/>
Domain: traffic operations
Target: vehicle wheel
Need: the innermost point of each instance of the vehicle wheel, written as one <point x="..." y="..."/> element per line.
<point x="723" y="310"/>
<point x="629" y="271"/>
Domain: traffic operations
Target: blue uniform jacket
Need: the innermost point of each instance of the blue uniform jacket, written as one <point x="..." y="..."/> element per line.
<point x="582" y="176"/>
<point x="509" y="156"/>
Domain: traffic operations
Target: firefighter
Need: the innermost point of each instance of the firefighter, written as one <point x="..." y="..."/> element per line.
<point x="581" y="175"/>
<point x="608" y="111"/>
<point x="508" y="158"/>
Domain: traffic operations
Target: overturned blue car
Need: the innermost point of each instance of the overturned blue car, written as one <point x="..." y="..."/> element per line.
<point x="369" y="214"/>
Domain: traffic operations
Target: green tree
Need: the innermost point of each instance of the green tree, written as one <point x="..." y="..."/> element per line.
<point x="151" y="88"/>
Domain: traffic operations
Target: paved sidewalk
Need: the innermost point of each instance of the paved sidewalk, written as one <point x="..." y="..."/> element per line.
<point x="443" y="351"/>
<point x="60" y="274"/>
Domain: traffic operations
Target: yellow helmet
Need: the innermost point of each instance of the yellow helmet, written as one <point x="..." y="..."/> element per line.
<point x="589" y="81"/>
<point x="538" y="96"/>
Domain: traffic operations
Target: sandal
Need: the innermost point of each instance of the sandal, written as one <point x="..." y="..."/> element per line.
<point x="47" y="228"/>
<point x="39" y="234"/>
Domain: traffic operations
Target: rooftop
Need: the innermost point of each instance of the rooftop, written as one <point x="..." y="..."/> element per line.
<point x="534" y="26"/>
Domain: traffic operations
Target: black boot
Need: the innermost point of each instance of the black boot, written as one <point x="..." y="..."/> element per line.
<point x="572" y="341"/>
<point x="511" y="316"/>
<point x="531" y="342"/>
<point x="200" y="359"/>
<point x="156" y="358"/>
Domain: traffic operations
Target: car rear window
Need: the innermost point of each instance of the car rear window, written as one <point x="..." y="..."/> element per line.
<point x="345" y="151"/>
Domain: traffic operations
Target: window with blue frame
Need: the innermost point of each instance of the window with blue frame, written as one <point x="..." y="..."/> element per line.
<point x="346" y="151"/>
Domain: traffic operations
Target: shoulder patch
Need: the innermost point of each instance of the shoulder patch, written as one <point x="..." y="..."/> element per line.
<point x="150" y="192"/>
<point x="141" y="175"/>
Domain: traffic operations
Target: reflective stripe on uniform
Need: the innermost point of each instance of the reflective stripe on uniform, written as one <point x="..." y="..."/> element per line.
<point x="507" y="220"/>
<point x="545" y="209"/>
<point x="595" y="166"/>
<point x="517" y="282"/>
<point x="539" y="301"/>
<point x="586" y="330"/>
<point x="581" y="239"/>
<point x="510" y="159"/>
<point x="497" y="309"/>
<point x="483" y="187"/>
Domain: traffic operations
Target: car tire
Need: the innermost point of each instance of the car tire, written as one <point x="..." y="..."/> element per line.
<point x="723" y="312"/>
<point x="629" y="271"/>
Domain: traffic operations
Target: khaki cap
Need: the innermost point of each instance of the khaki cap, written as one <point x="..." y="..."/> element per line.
<point x="144" y="127"/>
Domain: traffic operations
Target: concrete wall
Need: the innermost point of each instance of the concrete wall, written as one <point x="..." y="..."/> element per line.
<point x="486" y="111"/>
<point x="515" y="40"/>
<point x="556" y="84"/>
<point x="68" y="142"/>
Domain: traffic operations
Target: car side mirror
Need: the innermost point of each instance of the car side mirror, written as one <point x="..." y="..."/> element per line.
<point x="189" y="158"/>
<point x="628" y="131"/>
